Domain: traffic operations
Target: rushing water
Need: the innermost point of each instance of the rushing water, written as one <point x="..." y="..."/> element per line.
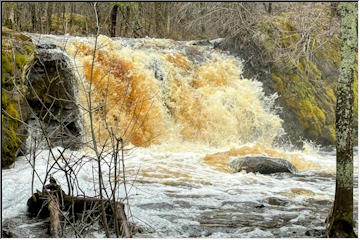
<point x="177" y="194"/>
<point x="186" y="110"/>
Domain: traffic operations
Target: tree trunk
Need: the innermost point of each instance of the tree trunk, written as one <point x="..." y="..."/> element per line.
<point x="340" y="223"/>
<point x="33" y="16"/>
<point x="64" y="17"/>
<point x="40" y="14"/>
<point x="113" y="15"/>
<point x="269" y="8"/>
<point x="10" y="22"/>
<point x="49" y="16"/>
<point x="72" y="6"/>
<point x="18" y="12"/>
<point x="127" y="20"/>
<point x="203" y="10"/>
<point x="157" y="19"/>
<point x="167" y="14"/>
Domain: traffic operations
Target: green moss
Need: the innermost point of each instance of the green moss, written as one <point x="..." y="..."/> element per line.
<point x="10" y="140"/>
<point x="12" y="111"/>
<point x="4" y="98"/>
<point x="329" y="51"/>
<point x="13" y="72"/>
<point x="29" y="48"/>
<point x="307" y="81"/>
<point x="279" y="83"/>
<point x="312" y="117"/>
<point x="20" y="60"/>
<point x="330" y="93"/>
<point x="304" y="86"/>
<point x="6" y="64"/>
<point x="330" y="133"/>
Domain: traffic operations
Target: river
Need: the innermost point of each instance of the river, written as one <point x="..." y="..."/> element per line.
<point x="177" y="194"/>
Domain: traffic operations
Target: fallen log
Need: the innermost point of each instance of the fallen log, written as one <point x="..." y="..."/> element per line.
<point x="43" y="205"/>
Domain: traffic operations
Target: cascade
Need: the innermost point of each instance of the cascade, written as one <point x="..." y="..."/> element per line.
<point x="151" y="91"/>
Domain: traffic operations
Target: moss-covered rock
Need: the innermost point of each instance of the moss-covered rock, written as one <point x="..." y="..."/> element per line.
<point x="307" y="86"/>
<point x="305" y="79"/>
<point x="17" y="55"/>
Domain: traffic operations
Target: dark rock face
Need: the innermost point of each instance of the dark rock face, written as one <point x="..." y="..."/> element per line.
<point x="260" y="164"/>
<point x="52" y="96"/>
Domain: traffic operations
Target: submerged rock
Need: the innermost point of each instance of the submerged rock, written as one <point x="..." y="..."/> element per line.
<point x="277" y="201"/>
<point x="318" y="233"/>
<point x="260" y="164"/>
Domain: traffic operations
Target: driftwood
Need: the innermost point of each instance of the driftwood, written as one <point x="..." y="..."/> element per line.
<point x="53" y="200"/>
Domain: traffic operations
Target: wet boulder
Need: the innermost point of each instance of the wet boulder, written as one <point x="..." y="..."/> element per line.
<point x="261" y="164"/>
<point x="277" y="201"/>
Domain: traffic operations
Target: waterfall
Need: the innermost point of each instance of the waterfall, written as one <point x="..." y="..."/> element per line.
<point x="154" y="91"/>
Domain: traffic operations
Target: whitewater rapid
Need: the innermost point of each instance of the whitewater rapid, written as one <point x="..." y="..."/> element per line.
<point x="177" y="194"/>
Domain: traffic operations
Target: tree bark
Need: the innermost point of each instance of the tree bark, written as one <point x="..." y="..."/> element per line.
<point x="127" y="20"/>
<point x="203" y="10"/>
<point x="33" y="16"/>
<point x="113" y="15"/>
<point x="269" y="8"/>
<point x="157" y="19"/>
<point x="49" y="11"/>
<point x="340" y="222"/>
<point x="64" y="17"/>
<point x="167" y="14"/>
<point x="72" y="7"/>
<point x="10" y="22"/>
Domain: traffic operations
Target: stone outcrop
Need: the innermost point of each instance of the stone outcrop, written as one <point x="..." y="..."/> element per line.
<point x="38" y="89"/>
<point x="260" y="164"/>
<point x="52" y="96"/>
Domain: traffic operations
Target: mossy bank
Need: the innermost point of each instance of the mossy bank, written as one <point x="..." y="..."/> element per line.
<point x="16" y="58"/>
<point x="306" y="83"/>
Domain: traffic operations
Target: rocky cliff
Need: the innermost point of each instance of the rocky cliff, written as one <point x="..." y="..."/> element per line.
<point x="38" y="93"/>
<point x="306" y="85"/>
